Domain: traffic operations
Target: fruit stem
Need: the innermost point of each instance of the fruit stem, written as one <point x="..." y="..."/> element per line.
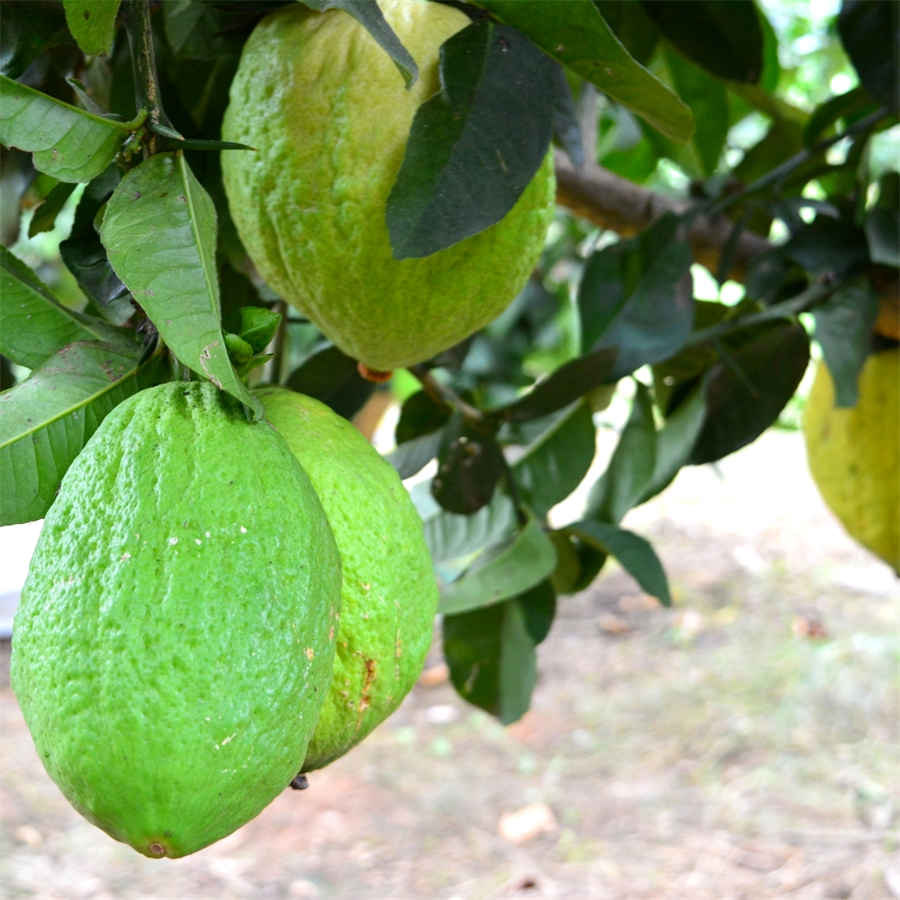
<point x="444" y="395"/>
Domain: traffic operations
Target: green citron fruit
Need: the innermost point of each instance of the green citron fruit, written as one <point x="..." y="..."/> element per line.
<point x="171" y="651"/>
<point x="854" y="453"/>
<point x="389" y="594"/>
<point x="329" y="115"/>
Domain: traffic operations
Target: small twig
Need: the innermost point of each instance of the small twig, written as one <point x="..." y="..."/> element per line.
<point x="143" y="63"/>
<point x="277" y="360"/>
<point x="812" y="296"/>
<point x="444" y="395"/>
<point x="780" y="172"/>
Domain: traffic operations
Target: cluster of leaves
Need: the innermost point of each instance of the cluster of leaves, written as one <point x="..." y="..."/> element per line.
<point x="97" y="100"/>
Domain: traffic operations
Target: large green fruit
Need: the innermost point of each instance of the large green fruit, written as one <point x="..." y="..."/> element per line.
<point x="389" y="595"/>
<point x="172" y="648"/>
<point x="854" y="453"/>
<point x="329" y="115"/>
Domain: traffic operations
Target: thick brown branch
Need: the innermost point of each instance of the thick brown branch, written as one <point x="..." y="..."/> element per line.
<point x="622" y="206"/>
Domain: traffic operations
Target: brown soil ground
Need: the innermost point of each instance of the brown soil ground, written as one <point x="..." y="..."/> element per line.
<point x="744" y="744"/>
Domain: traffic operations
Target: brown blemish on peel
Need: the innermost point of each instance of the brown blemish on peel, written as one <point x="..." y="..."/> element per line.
<point x="156" y="849"/>
<point x="366" y="696"/>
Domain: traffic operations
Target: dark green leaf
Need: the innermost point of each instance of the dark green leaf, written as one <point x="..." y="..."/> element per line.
<point x="708" y="100"/>
<point x="636" y="299"/>
<point x="33" y="324"/>
<point x="492" y="659"/>
<point x="883" y="235"/>
<point x="569" y="382"/>
<point x="828" y="245"/>
<point x="850" y="105"/>
<point x="474" y="147"/>
<point x="159" y="231"/>
<point x="554" y="465"/>
<point x="47" y="419"/>
<point x="747" y="390"/>
<point x="630" y="470"/>
<point x="419" y="415"/>
<point x="632" y="27"/>
<point x="527" y="561"/>
<point x="44" y="217"/>
<point x="30" y="30"/>
<point x="85" y="256"/>
<point x="370" y="17"/>
<point x="451" y="537"/>
<point x="409" y="457"/>
<point x="332" y="377"/>
<point x="870" y="33"/>
<point x="722" y="36"/>
<point x="633" y="553"/>
<point x="577" y="35"/>
<point x="843" y="329"/>
<point x="68" y="143"/>
<point x="92" y="24"/>
<point x="469" y="467"/>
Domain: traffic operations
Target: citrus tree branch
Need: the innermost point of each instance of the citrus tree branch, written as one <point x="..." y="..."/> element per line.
<point x="619" y="205"/>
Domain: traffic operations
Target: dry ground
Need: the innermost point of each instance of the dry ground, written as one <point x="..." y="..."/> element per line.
<point x="745" y="744"/>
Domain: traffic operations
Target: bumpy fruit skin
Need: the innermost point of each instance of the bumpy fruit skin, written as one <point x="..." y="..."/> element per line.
<point x="854" y="453"/>
<point x="171" y="651"/>
<point x="329" y="115"/>
<point x="389" y="596"/>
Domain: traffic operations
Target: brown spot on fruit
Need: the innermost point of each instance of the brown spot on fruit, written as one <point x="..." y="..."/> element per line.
<point x="366" y="696"/>
<point x="156" y="849"/>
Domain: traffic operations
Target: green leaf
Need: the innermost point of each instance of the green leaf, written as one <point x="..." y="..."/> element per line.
<point x="636" y="298"/>
<point x="748" y="388"/>
<point x="491" y="652"/>
<point x="159" y="231"/>
<point x="633" y="552"/>
<point x="28" y="37"/>
<point x="44" y="217"/>
<point x="675" y="440"/>
<point x="33" y="324"/>
<point x="843" y="329"/>
<point x="629" y="472"/>
<point x="332" y="377"/>
<point x="723" y="36"/>
<point x="707" y="97"/>
<point x="632" y="26"/>
<point x="48" y="418"/>
<point x="370" y="17"/>
<point x="566" y="126"/>
<point x="474" y="147"/>
<point x="452" y="537"/>
<point x="575" y="34"/>
<point x="552" y="467"/>
<point x="870" y="33"/>
<point x="258" y="326"/>
<point x="92" y="24"/>
<point x="68" y="143"/>
<point x="565" y="385"/>
<point x="527" y="561"/>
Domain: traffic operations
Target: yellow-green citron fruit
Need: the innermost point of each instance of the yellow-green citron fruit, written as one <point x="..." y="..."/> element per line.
<point x="854" y="453"/>
<point x="389" y="595"/>
<point x="171" y="651"/>
<point x="329" y="116"/>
